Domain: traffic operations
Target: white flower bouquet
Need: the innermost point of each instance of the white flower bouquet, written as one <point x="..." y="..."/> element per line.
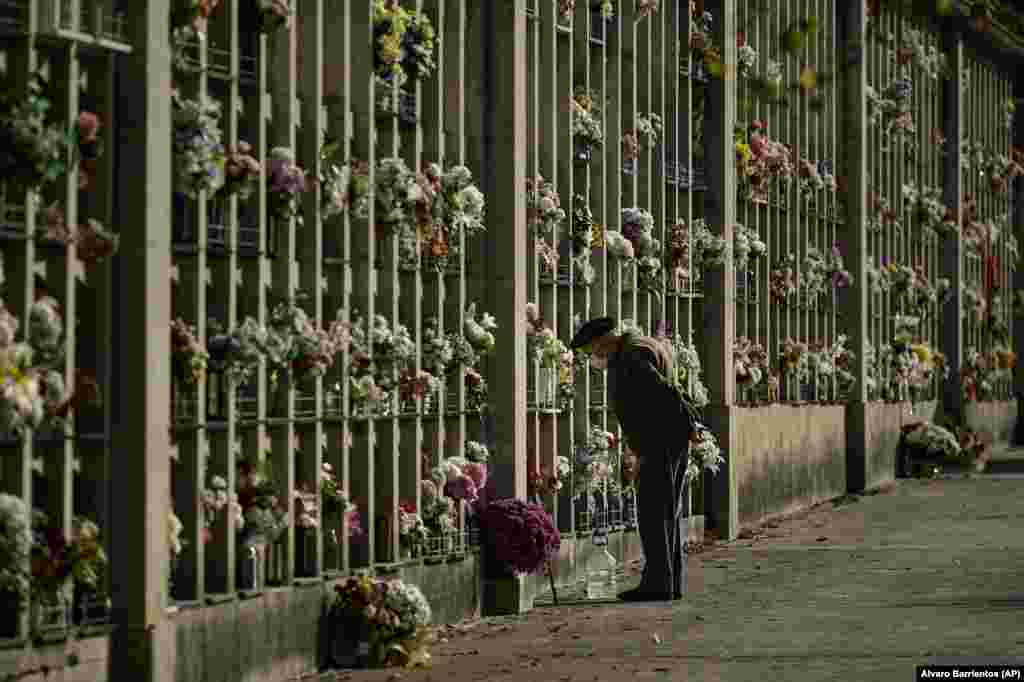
<point x="197" y="146"/>
<point x="15" y="549"/>
<point x="543" y="206"/>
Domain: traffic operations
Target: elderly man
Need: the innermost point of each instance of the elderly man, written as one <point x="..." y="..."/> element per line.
<point x="658" y="422"/>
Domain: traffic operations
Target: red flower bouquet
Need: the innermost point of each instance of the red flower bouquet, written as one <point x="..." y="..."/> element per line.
<point x="519" y="535"/>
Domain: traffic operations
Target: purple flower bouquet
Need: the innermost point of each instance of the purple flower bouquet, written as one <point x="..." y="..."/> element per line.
<point x="520" y="536"/>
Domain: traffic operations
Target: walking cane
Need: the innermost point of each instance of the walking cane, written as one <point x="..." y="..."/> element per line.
<point x="551" y="579"/>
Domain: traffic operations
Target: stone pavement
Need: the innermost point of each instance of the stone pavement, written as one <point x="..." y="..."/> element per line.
<point x="863" y="588"/>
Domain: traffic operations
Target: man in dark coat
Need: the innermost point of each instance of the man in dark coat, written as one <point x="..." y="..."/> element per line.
<point x="658" y="423"/>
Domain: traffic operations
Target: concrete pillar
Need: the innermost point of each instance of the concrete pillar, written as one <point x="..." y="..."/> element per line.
<point x="860" y="473"/>
<point x="142" y="641"/>
<point x="952" y="338"/>
<point x="721" y="503"/>
<point x="1017" y="218"/>
<point x="496" y="148"/>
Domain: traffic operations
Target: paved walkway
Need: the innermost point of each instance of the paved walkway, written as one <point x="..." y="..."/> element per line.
<point x="865" y="588"/>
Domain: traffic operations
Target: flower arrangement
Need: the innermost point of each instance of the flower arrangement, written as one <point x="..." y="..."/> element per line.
<point x="479" y="331"/>
<point x="594" y="460"/>
<point x="215" y="499"/>
<point x="566" y="9"/>
<point x="547" y="348"/>
<point x="56" y="559"/>
<point x="188" y="357"/>
<point x="793" y="359"/>
<point x="34" y="152"/>
<point x="544" y="482"/>
<point x="582" y="239"/>
<point x="174" y="540"/>
<point x="438" y="510"/>
<point x="889" y="114"/>
<point x="15" y="549"/>
<point x="447" y="204"/>
<point x="195" y="13"/>
<point x="404" y="42"/>
<point x="547" y="258"/>
<point x="543" y="207"/>
<point x="272" y="15"/>
<point x="412" y="532"/>
<point x="760" y="161"/>
<point x="519" y="535"/>
<point x="436" y="350"/>
<point x="476" y="452"/>
<point x="931" y="440"/>
<point x="241" y="171"/>
<point x="393" y="616"/>
<point x="379" y="353"/>
<point x="309" y="350"/>
<point x="705" y="453"/>
<point x="285" y="182"/>
<point x="266" y="518"/>
<point x="336" y="180"/>
<point x="236" y="354"/>
<point x="689" y="248"/>
<point x="980" y="373"/>
<point x="197" y="146"/>
<point x="637" y="247"/>
<point x="746" y="244"/>
<point x="396" y="194"/>
<point x="925" y="203"/>
<point x="649" y="128"/>
<point x="645" y="8"/>
<point x="85" y="135"/>
<point x="746" y="58"/>
<point x="750" y="361"/>
<point x="586" y="123"/>
<point x="687" y="366"/>
<point x="31" y="388"/>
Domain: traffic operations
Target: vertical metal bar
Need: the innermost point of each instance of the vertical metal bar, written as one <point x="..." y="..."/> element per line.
<point x="310" y="247"/>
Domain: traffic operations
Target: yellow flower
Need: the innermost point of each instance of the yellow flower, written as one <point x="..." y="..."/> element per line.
<point x="923" y="353"/>
<point x="743" y="150"/>
<point x="391" y="47"/>
<point x="597" y="236"/>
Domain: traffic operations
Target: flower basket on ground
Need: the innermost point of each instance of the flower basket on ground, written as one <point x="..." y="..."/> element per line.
<point x="925" y="448"/>
<point x="377" y="622"/>
<point x="519" y="537"/>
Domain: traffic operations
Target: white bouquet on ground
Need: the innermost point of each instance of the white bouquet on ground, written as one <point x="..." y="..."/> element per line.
<point x="933" y="441"/>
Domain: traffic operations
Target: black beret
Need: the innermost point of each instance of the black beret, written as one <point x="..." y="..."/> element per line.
<point x="591" y="330"/>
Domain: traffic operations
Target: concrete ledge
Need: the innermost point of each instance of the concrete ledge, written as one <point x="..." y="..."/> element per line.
<point x="788" y="457"/>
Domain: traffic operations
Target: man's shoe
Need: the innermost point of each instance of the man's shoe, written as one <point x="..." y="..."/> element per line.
<point x="638" y="595"/>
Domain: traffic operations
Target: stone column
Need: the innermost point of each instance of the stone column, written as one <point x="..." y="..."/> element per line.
<point x="496" y="151"/>
<point x="142" y="642"/>
<point x="860" y="472"/>
<point x="952" y="336"/>
<point x="721" y="504"/>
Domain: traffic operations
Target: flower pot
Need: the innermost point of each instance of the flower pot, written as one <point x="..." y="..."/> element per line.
<point x="582" y="152"/>
<point x="49" y="616"/>
<point x="250" y="573"/>
<point x="305" y="552"/>
<point x="547" y="387"/>
<point x="10" y="614"/>
<point x="350" y="643"/>
<point x="407" y="108"/>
